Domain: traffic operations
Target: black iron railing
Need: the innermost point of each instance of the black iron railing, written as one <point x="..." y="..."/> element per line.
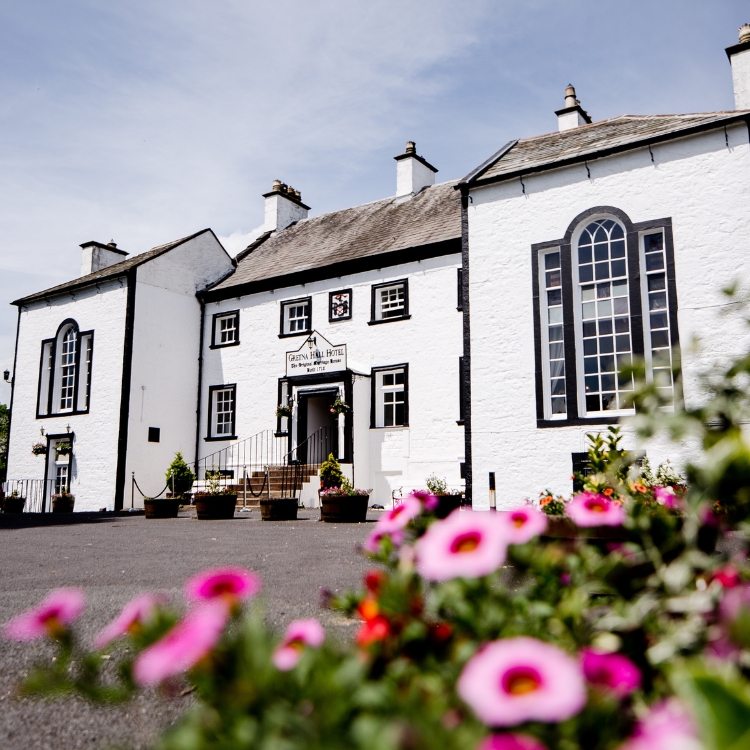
<point x="305" y="459"/>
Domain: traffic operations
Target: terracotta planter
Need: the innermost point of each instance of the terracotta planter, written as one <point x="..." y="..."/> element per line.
<point x="215" y="507"/>
<point x="278" y="509"/>
<point x="344" y="508"/>
<point x="561" y="527"/>
<point x="161" y="508"/>
<point x="13" y="504"/>
<point x="447" y="504"/>
<point x="63" y="504"/>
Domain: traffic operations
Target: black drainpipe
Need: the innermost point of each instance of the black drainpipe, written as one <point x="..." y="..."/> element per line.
<point x="200" y="386"/>
<point x="466" y="374"/>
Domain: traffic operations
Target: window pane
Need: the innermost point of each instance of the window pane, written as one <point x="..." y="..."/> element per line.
<point x="589" y="329"/>
<point x="659" y="338"/>
<point x="605" y="327"/>
<point x="557" y="368"/>
<point x="558" y="387"/>
<point x="618" y="268"/>
<point x="554" y="297"/>
<point x="586" y="273"/>
<point x="654" y="262"/>
<point x="657" y="300"/>
<point x="584" y="254"/>
<point x="656" y="281"/>
<point x="604" y="308"/>
<point x="619" y="288"/>
<point x="602" y="271"/>
<point x="607" y="364"/>
<point x="589" y="310"/>
<point x="618" y="249"/>
<point x="392" y="302"/>
<point x="555" y="333"/>
<point x="606" y="344"/>
<point x="608" y="382"/>
<point x="601" y="252"/>
<point x="400" y="378"/>
<point x="593" y="403"/>
<point x="658" y="320"/>
<point x="588" y="293"/>
<point x="590" y="365"/>
<point x="592" y="383"/>
<point x="589" y="346"/>
<point x="558" y="405"/>
<point x="552" y="260"/>
<point x="622" y="325"/>
<point x="609" y="401"/>
<point x="388" y="378"/>
<point x="556" y="350"/>
<point x="623" y="343"/>
<point x="555" y="314"/>
<point x="553" y="278"/>
<point x="620" y="305"/>
<point x="653" y="242"/>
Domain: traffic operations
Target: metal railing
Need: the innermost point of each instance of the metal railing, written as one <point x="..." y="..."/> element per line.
<point x="304" y="461"/>
<point x="37" y="493"/>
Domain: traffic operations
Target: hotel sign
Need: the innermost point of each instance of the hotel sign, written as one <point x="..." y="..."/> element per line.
<point x="316" y="355"/>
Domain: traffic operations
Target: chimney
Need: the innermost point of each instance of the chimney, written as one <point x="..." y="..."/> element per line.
<point x="412" y="172"/>
<point x="96" y="256"/>
<point x="284" y="206"/>
<point x="572" y="115"/>
<point x="739" y="58"/>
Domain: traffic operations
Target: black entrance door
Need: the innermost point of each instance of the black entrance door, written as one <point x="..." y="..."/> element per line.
<point x="317" y="427"/>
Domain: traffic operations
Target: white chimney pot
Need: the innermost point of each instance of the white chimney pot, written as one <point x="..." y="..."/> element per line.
<point x="572" y="115"/>
<point x="739" y="58"/>
<point x="96" y="256"/>
<point x="283" y="207"/>
<point x="413" y="173"/>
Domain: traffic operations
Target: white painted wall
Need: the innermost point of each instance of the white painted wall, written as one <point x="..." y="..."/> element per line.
<point x="164" y="382"/>
<point x="431" y="342"/>
<point x="701" y="184"/>
<point x="95" y="445"/>
<point x="741" y="79"/>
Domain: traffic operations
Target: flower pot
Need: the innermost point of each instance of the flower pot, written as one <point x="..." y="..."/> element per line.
<point x="181" y="486"/>
<point x="215" y="507"/>
<point x="13" y="504"/>
<point x="344" y="508"/>
<point x="562" y="527"/>
<point x="63" y="504"/>
<point x="278" y="509"/>
<point x="163" y="508"/>
<point x="447" y="504"/>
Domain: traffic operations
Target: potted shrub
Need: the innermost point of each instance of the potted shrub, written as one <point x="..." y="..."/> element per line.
<point x="162" y="507"/>
<point x="39" y="449"/>
<point x="63" y="502"/>
<point x="278" y="508"/>
<point x="179" y="476"/>
<point x="344" y="504"/>
<point x="330" y="473"/>
<point x="447" y="501"/>
<point x="13" y="503"/>
<point x="214" y="503"/>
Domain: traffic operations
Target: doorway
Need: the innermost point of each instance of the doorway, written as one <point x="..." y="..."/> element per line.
<point x="315" y="419"/>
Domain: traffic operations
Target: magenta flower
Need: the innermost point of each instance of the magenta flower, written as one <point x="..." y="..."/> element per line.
<point x="522" y="679"/>
<point x="134" y="614"/>
<point x="427" y="499"/>
<point x="189" y="641"/>
<point x="231" y="583"/>
<point x="592" y="509"/>
<point x="299" y="634"/>
<point x="50" y="617"/>
<point x="523" y="524"/>
<point x="733" y="602"/>
<point x="613" y="672"/>
<point x="464" y="545"/>
<point x="393" y="522"/>
<point x="667" y="726"/>
<point x="666" y="496"/>
<point x="510" y="742"/>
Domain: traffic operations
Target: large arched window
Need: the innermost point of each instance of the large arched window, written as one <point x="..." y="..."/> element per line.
<point x="605" y="294"/>
<point x="65" y="371"/>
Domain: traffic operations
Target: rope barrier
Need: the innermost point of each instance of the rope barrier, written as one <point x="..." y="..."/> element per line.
<point x="246" y="484"/>
<point x="149" y="497"/>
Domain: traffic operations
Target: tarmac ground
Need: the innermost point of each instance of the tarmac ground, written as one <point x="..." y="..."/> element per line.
<point x="113" y="558"/>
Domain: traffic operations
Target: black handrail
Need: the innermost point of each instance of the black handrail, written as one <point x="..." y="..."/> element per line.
<point x="305" y="459"/>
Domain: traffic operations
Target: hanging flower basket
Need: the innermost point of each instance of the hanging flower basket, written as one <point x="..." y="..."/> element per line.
<point x="340" y="407"/>
<point x="39" y="449"/>
<point x="63" y="449"/>
<point x="283" y="411"/>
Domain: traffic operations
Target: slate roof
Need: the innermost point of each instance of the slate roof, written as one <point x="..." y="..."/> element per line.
<point x="595" y="140"/>
<point x="110" y="272"/>
<point x="367" y="231"/>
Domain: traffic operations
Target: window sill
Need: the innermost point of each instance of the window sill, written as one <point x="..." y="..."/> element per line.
<point x="460" y="422"/>
<point x="281" y="434"/>
<point x="224" y="346"/>
<point x="579" y="421"/>
<point x="339" y="320"/>
<point x="295" y="334"/>
<point x="387" y="320"/>
<point x="222" y="437"/>
<point x="61" y="414"/>
<point x="392" y="427"/>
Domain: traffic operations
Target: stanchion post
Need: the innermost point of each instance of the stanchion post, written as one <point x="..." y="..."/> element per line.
<point x="132" y="490"/>
<point x="244" y="486"/>
<point x="268" y="482"/>
<point x="493" y="500"/>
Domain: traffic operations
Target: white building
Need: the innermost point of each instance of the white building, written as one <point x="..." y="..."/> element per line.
<point x="475" y="325"/>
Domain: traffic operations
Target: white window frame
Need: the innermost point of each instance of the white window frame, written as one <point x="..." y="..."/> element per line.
<point x="380" y="389"/>
<point x="286" y="320"/>
<point x="378" y="314"/>
<point x="216" y="335"/>
<point x="218" y="394"/>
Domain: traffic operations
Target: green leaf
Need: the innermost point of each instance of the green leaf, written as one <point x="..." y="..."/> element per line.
<point x="723" y="713"/>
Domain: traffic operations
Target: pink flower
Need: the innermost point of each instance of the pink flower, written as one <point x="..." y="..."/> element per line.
<point x="666" y="496"/>
<point x="522" y="679"/>
<point x="511" y="742"/>
<point x="427" y="499"/>
<point x="393" y="523"/>
<point x="733" y="602"/>
<point x="299" y="634"/>
<point x="592" y="509"/>
<point x="231" y="583"/>
<point x="728" y="576"/>
<point x="666" y="727"/>
<point x="50" y="617"/>
<point x="134" y="614"/>
<point x="523" y="524"/>
<point x="613" y="672"/>
<point x="464" y="545"/>
<point x="189" y="641"/>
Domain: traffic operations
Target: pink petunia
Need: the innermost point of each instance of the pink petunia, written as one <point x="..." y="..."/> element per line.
<point x="189" y="641"/>
<point x="613" y="672"/>
<point x="593" y="509"/>
<point x="728" y="576"/>
<point x="667" y="726"/>
<point x="134" y="614"/>
<point x="666" y="496"/>
<point x="464" y="545"/>
<point x="510" y="742"/>
<point x="50" y="617"/>
<point x="523" y="524"/>
<point x="522" y="679"/>
<point x="231" y="583"/>
<point x="393" y="522"/>
<point x="427" y="499"/>
<point x="299" y="634"/>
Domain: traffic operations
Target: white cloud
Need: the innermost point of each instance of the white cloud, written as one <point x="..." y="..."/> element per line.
<point x="238" y="241"/>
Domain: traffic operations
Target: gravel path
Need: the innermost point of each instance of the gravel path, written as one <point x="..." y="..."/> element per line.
<point x="115" y="557"/>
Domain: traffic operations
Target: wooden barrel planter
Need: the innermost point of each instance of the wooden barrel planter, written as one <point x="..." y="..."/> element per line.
<point x="13" y="504"/>
<point x="278" y="508"/>
<point x="161" y="508"/>
<point x="63" y="504"/>
<point x="215" y="507"/>
<point x="561" y="527"/>
<point x="447" y="504"/>
<point x="344" y="508"/>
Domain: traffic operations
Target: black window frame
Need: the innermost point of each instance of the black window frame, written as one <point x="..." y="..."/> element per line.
<point x="209" y="425"/>
<point x="331" y="295"/>
<point x="374" y="395"/>
<point x="463" y="402"/>
<point x="289" y="302"/>
<point x="633" y="233"/>
<point x="48" y="396"/>
<point x="460" y="288"/>
<point x="154" y="434"/>
<point x="214" y="324"/>
<point x="373" y="304"/>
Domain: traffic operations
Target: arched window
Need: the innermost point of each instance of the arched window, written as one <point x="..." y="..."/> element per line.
<point x="65" y="371"/>
<point x="605" y="294"/>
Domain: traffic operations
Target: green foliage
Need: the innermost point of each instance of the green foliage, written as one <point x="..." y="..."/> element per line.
<point x="330" y="472"/>
<point x="436" y="485"/>
<point x="179" y="473"/>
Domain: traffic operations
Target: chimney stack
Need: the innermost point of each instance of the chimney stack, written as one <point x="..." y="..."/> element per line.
<point x="284" y="206"/>
<point x="572" y="115"/>
<point x="739" y="58"/>
<point x="96" y="256"/>
<point x="413" y="173"/>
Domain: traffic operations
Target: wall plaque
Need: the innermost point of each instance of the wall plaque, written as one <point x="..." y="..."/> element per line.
<point x="316" y="354"/>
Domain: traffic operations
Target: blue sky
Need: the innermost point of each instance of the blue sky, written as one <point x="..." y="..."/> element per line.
<point x="145" y="120"/>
